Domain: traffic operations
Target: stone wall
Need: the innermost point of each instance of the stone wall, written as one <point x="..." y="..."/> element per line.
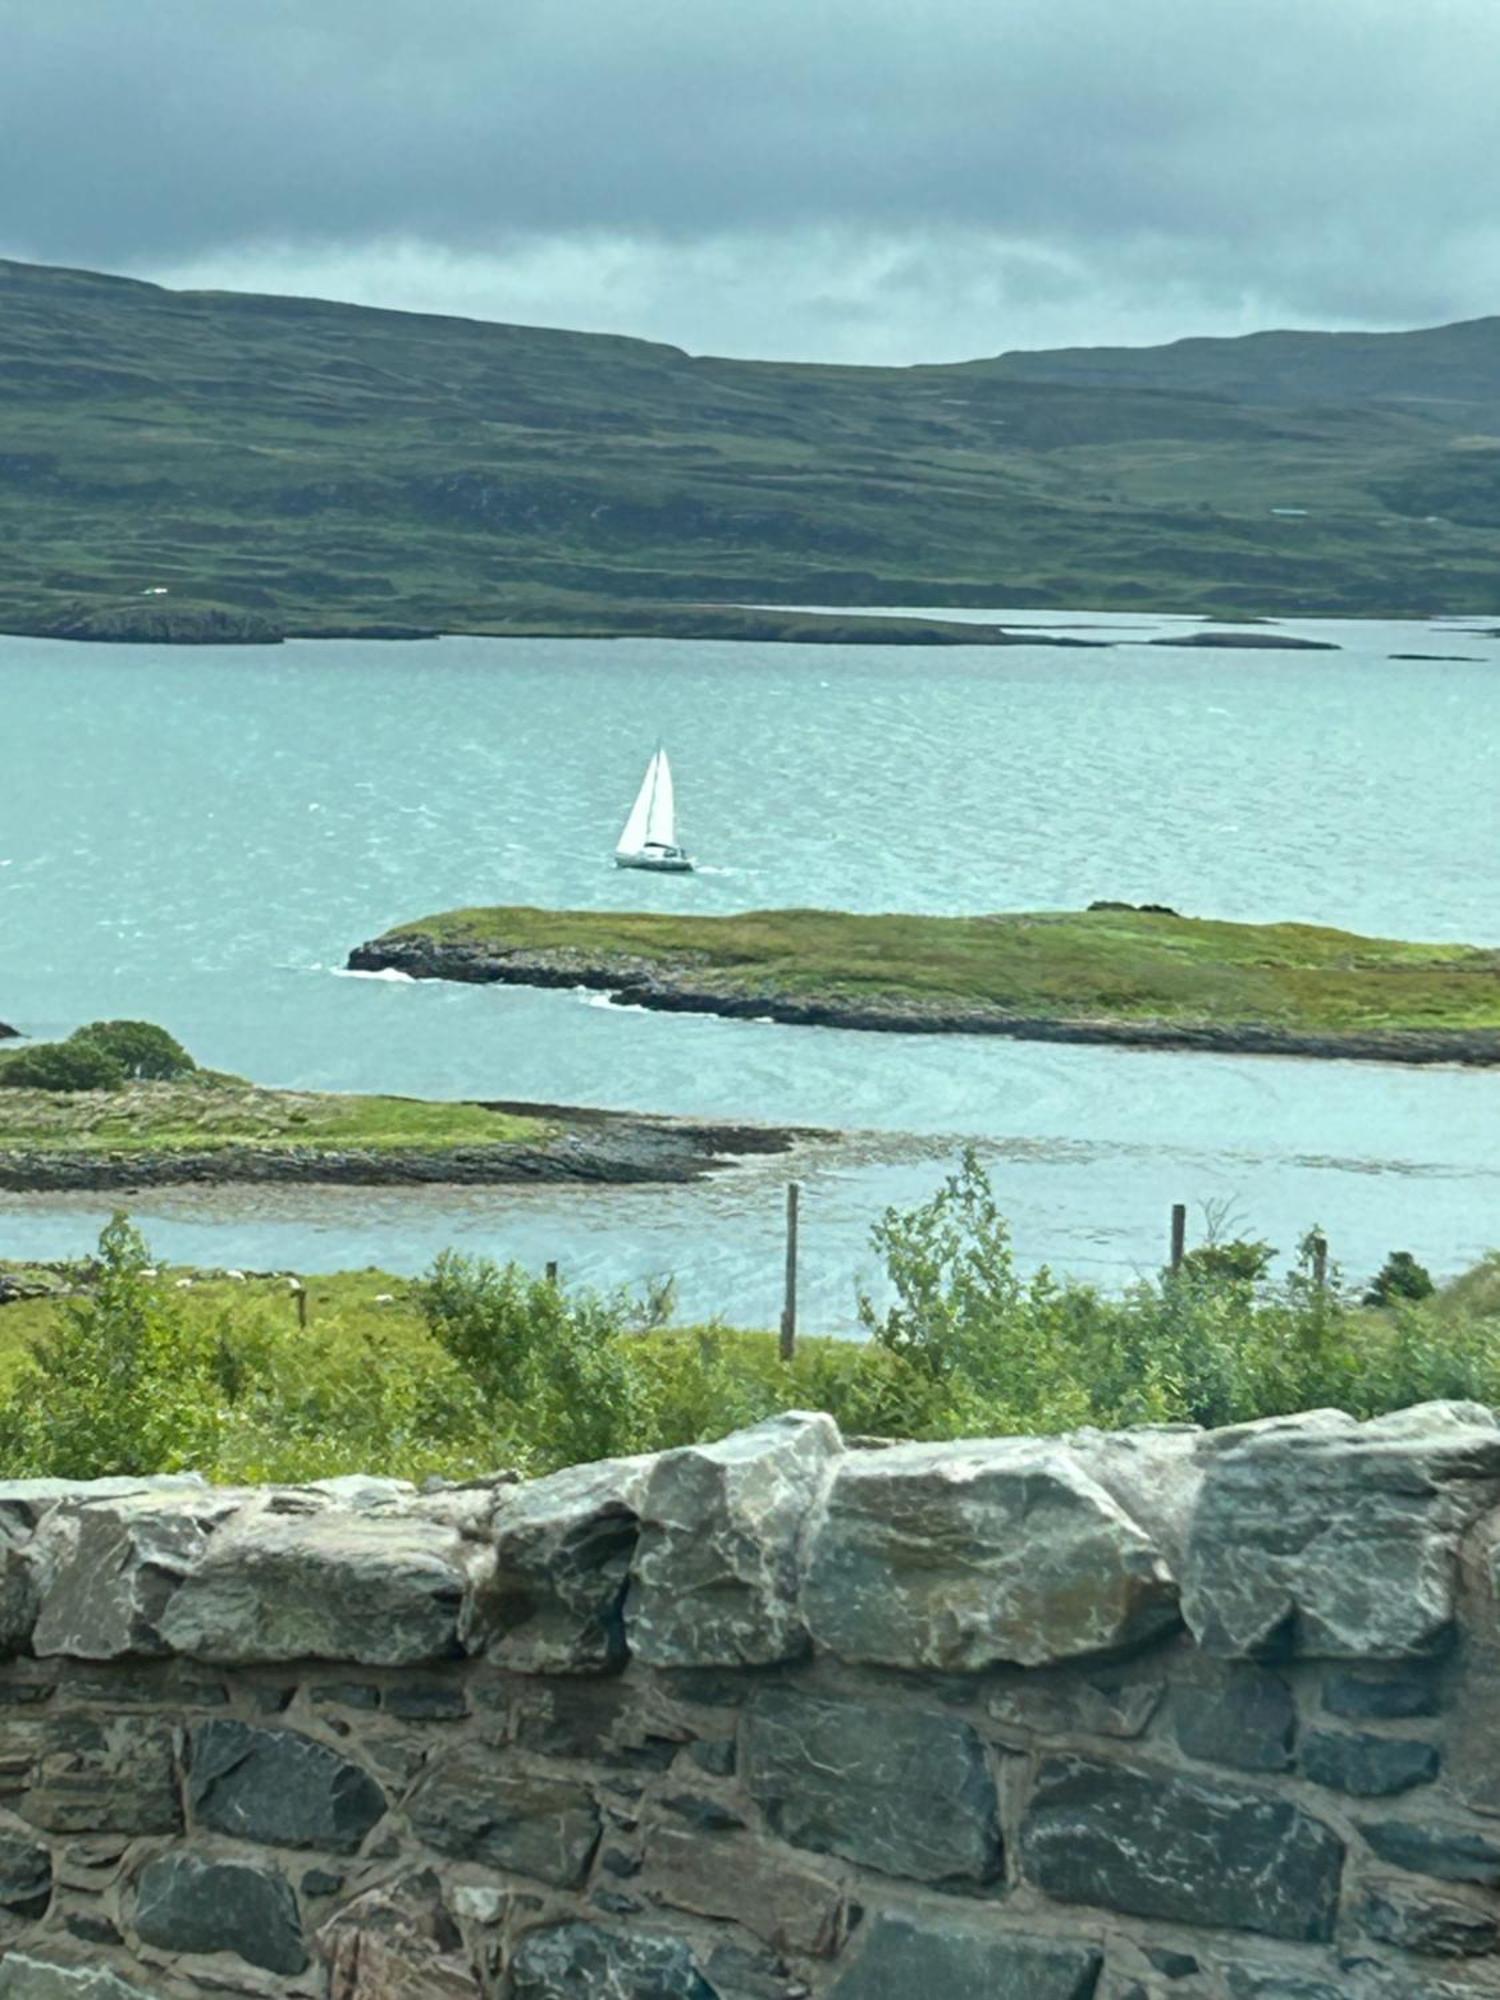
<point x="1119" y="1717"/>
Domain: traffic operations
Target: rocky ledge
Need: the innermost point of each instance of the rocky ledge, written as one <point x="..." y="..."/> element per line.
<point x="1094" y="1717"/>
<point x="635" y="982"/>
<point x="587" y="1148"/>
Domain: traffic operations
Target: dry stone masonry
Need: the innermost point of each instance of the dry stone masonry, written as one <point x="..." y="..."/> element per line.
<point x="1164" y="1715"/>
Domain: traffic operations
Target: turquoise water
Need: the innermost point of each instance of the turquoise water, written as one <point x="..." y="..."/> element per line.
<point x="199" y="836"/>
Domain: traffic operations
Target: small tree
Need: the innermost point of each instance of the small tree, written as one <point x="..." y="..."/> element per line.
<point x="1400" y="1277"/>
<point x="70" y="1065"/>
<point x="122" y="1383"/>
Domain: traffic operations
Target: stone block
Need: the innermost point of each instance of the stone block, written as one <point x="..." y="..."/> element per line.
<point x="1242" y="1716"/>
<point x="896" y="1789"/>
<point x="715" y="1576"/>
<point x="1434" y="1926"/>
<point x="1114" y="1701"/>
<point x="550" y="1599"/>
<point x="37" y="1975"/>
<point x="789" y="1903"/>
<point x="1334" y="1540"/>
<point x="186" y="1903"/>
<point x="1449" y="1852"/>
<point x="474" y="1808"/>
<point x="964" y="1556"/>
<point x="567" y="1961"/>
<point x="116" y="1775"/>
<point x="362" y="1589"/>
<point x="397" y="1942"/>
<point x="1398" y="1696"/>
<point x="277" y="1787"/>
<point x="1153" y="1845"/>
<point x="925" y="1958"/>
<point x="1366" y="1765"/>
<point x="112" y="1566"/>
<point x="25" y="1875"/>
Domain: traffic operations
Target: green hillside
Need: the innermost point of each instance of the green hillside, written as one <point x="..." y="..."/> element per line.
<point x="292" y="465"/>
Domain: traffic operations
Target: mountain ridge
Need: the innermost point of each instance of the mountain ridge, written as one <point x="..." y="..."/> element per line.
<point x="309" y="466"/>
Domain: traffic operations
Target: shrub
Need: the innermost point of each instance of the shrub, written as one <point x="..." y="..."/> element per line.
<point x="144" y="1051"/>
<point x="119" y="1383"/>
<point x="1400" y="1277"/>
<point x="70" y="1065"/>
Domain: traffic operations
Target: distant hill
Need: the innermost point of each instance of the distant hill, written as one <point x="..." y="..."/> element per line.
<point x="1451" y="373"/>
<point x="269" y="464"/>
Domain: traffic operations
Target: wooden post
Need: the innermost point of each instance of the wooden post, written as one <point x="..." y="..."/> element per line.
<point x="299" y="1296"/>
<point x="1320" y="1262"/>
<point x="551" y="1270"/>
<point x="1179" y="1234"/>
<point x="789" y="1310"/>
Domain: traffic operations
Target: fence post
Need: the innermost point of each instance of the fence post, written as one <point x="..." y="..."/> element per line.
<point x="299" y="1297"/>
<point x="551" y="1270"/>
<point x="1179" y="1234"/>
<point x="1320" y="1262"/>
<point x="789" y="1309"/>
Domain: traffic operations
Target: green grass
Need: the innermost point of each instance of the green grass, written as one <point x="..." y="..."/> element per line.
<point x="290" y="465"/>
<point x="1115" y="966"/>
<point x="207" y="1112"/>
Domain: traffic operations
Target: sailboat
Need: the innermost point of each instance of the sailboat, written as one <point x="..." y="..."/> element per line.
<point x="650" y="836"/>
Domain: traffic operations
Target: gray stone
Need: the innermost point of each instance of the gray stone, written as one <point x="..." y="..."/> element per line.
<point x="789" y="1903"/>
<point x="275" y="1786"/>
<point x="1154" y="1472"/>
<point x="1337" y="1541"/>
<point x="915" y="1958"/>
<point x="185" y="1903"/>
<point x="1394" y="1697"/>
<point x="900" y="1790"/>
<point x="715" y="1576"/>
<point x="362" y="1589"/>
<point x="567" y="1961"/>
<point x="23" y="1976"/>
<point x="1242" y="1716"/>
<point x="1101" y="1701"/>
<point x="1434" y="1926"/>
<point x="25" y="1875"/>
<point x="1369" y="1766"/>
<point x="1153" y="1845"/>
<point x="609" y="1722"/>
<point x="474" y="1808"/>
<point x="1428" y="1847"/>
<point x="963" y="1556"/>
<point x="115" y="1775"/>
<point x="551" y="1597"/>
<point x="112" y="1566"/>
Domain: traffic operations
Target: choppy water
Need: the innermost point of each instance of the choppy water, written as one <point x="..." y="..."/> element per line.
<point x="199" y="837"/>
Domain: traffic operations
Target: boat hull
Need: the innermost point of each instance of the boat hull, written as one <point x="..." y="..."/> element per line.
<point x="657" y="864"/>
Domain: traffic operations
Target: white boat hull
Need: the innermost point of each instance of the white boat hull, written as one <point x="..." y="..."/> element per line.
<point x="659" y="864"/>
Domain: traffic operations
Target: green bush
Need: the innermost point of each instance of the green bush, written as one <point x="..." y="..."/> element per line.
<point x="145" y="1052"/>
<point x="1400" y="1277"/>
<point x="121" y="1383"/>
<point x="70" y="1065"/>
<point x="104" y="1055"/>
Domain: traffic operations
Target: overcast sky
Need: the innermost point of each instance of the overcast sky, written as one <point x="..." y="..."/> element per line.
<point x="872" y="180"/>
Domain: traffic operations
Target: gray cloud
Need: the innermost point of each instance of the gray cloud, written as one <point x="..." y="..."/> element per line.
<point x="878" y="179"/>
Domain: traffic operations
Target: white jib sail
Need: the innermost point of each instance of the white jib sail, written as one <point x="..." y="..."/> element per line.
<point x="651" y="817"/>
<point x="661" y="814"/>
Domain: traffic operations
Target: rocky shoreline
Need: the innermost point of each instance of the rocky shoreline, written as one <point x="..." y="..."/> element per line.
<point x="636" y="982"/>
<point x="586" y="1149"/>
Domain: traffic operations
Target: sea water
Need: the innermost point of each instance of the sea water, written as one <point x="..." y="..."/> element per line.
<point x="198" y="836"/>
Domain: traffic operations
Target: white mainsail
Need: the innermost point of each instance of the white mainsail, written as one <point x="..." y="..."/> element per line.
<point x="653" y="817"/>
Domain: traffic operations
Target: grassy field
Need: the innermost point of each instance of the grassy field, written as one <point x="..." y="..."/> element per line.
<point x="1097" y="966"/>
<point x="207" y="1112"/>
<point x="286" y="465"/>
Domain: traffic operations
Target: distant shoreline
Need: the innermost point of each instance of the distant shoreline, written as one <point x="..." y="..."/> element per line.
<point x="196" y="625"/>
